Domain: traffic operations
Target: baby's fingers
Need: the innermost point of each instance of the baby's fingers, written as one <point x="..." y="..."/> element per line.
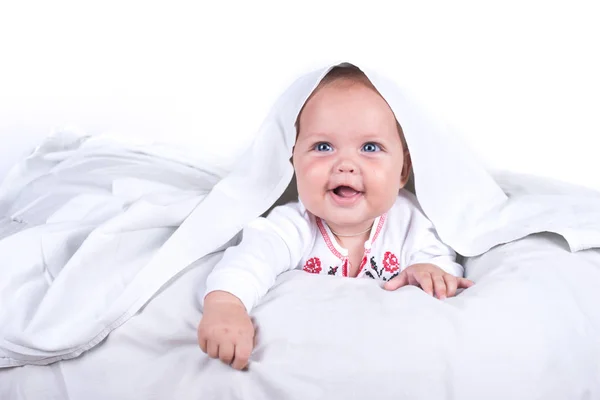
<point x="226" y="352"/>
<point x="397" y="282"/>
<point x="439" y="286"/>
<point x="464" y="283"/>
<point x="451" y="285"/>
<point x="426" y="282"/>
<point x="213" y="349"/>
<point x="242" y="354"/>
<point x="203" y="344"/>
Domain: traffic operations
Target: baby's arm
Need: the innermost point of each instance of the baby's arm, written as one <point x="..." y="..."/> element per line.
<point x="429" y="263"/>
<point x="269" y="247"/>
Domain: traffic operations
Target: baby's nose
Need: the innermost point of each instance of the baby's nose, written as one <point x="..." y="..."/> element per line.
<point x="346" y="167"/>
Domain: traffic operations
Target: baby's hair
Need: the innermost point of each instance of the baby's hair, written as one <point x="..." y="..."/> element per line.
<point x="348" y="74"/>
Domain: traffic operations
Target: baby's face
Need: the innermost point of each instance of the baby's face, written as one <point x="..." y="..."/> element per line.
<point x="348" y="156"/>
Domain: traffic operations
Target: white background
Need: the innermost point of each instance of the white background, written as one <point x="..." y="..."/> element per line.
<point x="518" y="80"/>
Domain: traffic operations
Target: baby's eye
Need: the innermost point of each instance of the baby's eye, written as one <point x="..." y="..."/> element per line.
<point x="371" y="147"/>
<point x="323" y="146"/>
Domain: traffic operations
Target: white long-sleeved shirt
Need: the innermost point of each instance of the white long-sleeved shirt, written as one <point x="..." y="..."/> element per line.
<point x="291" y="237"/>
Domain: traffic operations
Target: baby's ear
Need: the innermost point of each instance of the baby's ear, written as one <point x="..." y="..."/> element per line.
<point x="406" y="168"/>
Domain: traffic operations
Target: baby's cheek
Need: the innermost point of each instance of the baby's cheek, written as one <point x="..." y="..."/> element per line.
<point x="309" y="193"/>
<point x="314" y="179"/>
<point x="383" y="193"/>
<point x="382" y="181"/>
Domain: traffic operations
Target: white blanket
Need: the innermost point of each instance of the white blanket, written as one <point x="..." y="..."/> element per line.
<point x="93" y="229"/>
<point x="528" y="330"/>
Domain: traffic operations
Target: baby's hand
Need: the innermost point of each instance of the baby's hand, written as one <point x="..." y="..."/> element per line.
<point x="226" y="331"/>
<point x="431" y="278"/>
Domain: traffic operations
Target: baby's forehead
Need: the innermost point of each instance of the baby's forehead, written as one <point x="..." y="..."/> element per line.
<point x="327" y="114"/>
<point x="346" y="100"/>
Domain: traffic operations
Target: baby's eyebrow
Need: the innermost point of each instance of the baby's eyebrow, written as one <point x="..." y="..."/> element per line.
<point x="319" y="136"/>
<point x="315" y="136"/>
<point x="372" y="137"/>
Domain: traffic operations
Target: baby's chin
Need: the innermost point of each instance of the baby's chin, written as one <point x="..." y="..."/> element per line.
<point x="349" y="218"/>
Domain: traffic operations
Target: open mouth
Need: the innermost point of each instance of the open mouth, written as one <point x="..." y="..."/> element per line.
<point x="345" y="191"/>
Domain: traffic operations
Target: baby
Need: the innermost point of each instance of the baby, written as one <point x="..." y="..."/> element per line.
<point x="353" y="217"/>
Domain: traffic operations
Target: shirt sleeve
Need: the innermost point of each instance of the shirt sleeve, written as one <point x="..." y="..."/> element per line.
<point x="269" y="247"/>
<point x="425" y="246"/>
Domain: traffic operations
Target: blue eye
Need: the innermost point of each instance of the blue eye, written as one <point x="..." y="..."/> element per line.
<point x="323" y="147"/>
<point x="371" y="147"/>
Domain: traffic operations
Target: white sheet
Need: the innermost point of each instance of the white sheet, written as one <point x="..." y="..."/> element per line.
<point x="81" y="220"/>
<point x="528" y="330"/>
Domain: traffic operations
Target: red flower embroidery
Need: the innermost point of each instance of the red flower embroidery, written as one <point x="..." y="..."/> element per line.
<point x="390" y="262"/>
<point x="313" y="265"/>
